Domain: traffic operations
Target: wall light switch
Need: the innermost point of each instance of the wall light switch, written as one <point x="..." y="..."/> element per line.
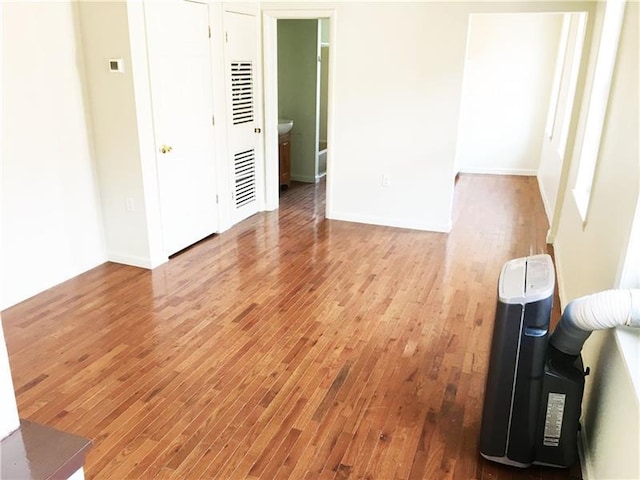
<point x="386" y="182"/>
<point x="116" y="65"/>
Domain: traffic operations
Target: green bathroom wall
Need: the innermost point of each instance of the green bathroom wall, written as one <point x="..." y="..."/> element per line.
<point x="297" y="81"/>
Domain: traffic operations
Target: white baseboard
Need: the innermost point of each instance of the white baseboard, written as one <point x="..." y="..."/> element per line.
<point x="388" y="222"/>
<point x="140" y="262"/>
<point x="522" y="172"/>
<point x="547" y="210"/>
<point x="583" y="450"/>
<point x="545" y="202"/>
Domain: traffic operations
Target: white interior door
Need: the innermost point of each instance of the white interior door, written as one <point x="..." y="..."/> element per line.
<point x="242" y="73"/>
<point x="181" y="87"/>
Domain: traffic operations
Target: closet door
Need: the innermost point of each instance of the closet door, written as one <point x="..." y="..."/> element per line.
<point x="242" y="74"/>
<point x="181" y="89"/>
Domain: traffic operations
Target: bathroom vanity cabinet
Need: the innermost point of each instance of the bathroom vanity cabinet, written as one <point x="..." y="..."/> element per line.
<point x="284" y="141"/>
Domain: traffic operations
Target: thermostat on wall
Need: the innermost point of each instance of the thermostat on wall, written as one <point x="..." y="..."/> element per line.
<point x="116" y="65"/>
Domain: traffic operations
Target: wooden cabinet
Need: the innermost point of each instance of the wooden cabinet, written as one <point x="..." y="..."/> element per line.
<point x="284" y="142"/>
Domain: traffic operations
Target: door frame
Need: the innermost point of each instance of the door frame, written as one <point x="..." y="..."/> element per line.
<point x="270" y="58"/>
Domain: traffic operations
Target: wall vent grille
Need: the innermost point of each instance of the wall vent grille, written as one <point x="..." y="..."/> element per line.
<point x="242" y="92"/>
<point x="245" y="177"/>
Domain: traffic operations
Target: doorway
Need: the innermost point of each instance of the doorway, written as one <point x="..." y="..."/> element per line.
<point x="300" y="101"/>
<point x="516" y="107"/>
<point x="307" y="103"/>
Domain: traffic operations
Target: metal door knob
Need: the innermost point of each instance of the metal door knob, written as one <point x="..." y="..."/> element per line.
<point x="166" y="148"/>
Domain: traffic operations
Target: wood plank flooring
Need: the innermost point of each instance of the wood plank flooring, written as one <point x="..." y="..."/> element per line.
<point x="288" y="347"/>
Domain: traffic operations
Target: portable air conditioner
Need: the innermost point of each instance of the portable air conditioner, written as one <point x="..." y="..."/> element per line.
<point x="534" y="391"/>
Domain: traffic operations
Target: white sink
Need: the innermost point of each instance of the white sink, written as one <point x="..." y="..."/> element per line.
<point x="284" y="126"/>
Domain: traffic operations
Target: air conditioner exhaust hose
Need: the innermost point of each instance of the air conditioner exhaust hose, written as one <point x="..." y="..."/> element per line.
<point x="608" y="309"/>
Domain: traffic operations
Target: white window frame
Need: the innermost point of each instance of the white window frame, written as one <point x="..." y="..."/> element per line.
<point x="598" y="101"/>
<point x="561" y="58"/>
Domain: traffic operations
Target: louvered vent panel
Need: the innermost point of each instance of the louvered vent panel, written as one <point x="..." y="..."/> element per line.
<point x="245" y="174"/>
<point x="242" y="92"/>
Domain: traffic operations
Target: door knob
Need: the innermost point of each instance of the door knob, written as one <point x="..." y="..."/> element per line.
<point x="166" y="148"/>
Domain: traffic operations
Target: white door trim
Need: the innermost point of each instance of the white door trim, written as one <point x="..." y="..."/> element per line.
<point x="270" y="54"/>
<point x="223" y="169"/>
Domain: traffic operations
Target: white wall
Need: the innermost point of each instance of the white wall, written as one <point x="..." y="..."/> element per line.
<point x="508" y="74"/>
<point x="395" y="112"/>
<point x="9" y="420"/>
<point x="590" y="256"/>
<point x="611" y="412"/>
<point x="51" y="219"/>
<point x="123" y="130"/>
<point x="297" y="84"/>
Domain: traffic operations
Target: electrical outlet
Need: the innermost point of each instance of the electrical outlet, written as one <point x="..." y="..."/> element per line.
<point x="130" y="204"/>
<point x="386" y="182"/>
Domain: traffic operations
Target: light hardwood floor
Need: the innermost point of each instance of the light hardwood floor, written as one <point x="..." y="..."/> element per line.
<point x="288" y="347"/>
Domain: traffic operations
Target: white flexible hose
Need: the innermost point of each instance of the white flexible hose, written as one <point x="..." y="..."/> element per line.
<point x="608" y="309"/>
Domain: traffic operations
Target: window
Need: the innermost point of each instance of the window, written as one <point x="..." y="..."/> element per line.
<point x="557" y="76"/>
<point x="598" y="100"/>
